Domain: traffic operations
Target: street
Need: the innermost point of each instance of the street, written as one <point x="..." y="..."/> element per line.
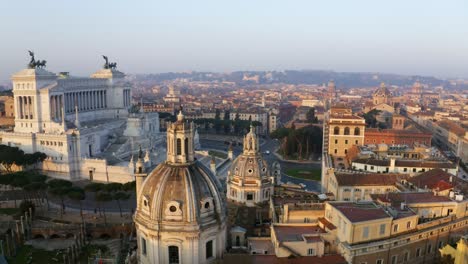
<point x="271" y="145"/>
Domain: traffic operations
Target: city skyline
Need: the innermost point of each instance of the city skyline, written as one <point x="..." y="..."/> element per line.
<point x="423" y="38"/>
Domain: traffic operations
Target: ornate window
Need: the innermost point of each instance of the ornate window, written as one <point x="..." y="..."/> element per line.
<point x="173" y="211"/>
<point x="186" y="146"/>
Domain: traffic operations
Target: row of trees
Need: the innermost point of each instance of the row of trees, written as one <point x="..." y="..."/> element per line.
<point x="38" y="184"/>
<point x="10" y="156"/>
<point x="299" y="143"/>
<point x="221" y="123"/>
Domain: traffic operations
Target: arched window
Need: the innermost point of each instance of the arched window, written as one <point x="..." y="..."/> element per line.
<point x="346" y="131"/>
<point x="186" y="146"/>
<point x="336" y="131"/>
<point x="173" y="255"/>
<point x="179" y="146"/>
<point x="357" y="131"/>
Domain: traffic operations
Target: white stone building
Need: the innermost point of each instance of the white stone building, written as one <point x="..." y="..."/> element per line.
<point x="249" y="179"/>
<point x="181" y="213"/>
<point x="75" y="120"/>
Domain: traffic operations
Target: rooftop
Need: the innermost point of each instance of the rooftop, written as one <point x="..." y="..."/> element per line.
<point x="370" y="179"/>
<point x="360" y="212"/>
<point x="396" y="199"/>
<point x="272" y="259"/>
<point x="433" y="179"/>
<point x="295" y="233"/>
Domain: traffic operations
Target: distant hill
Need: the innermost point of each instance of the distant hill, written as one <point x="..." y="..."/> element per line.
<point x="342" y="79"/>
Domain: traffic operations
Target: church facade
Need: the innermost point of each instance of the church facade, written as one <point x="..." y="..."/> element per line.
<point x="249" y="180"/>
<point x="181" y="212"/>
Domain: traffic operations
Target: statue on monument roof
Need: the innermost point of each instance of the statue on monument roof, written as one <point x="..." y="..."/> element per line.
<point x="33" y="63"/>
<point x="109" y="65"/>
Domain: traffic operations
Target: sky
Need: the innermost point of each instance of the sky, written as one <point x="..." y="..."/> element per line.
<point x="412" y="37"/>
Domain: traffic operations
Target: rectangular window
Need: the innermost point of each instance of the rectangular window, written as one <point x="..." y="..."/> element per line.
<point x="365" y="232"/>
<point x="418" y="252"/>
<point x="311" y="252"/>
<point x="382" y="229"/>
<point x="394" y="259"/>
<point x="395" y="228"/>
<point x="429" y="248"/>
<point x="379" y="261"/>
<point x="336" y="141"/>
<point x="346" y="142"/>
<point x="143" y="246"/>
<point x="408" y="225"/>
<point x="406" y="256"/>
<point x="209" y="249"/>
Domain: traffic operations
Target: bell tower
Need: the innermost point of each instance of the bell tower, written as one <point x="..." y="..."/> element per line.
<point x="140" y="172"/>
<point x="180" y="141"/>
<point x="251" y="145"/>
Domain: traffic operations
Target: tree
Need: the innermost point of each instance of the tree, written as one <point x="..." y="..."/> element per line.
<point x="25" y="205"/>
<point x="60" y="188"/>
<point x="237" y="124"/>
<point x="103" y="197"/>
<point x="217" y="121"/>
<point x="94" y="187"/>
<point x="129" y="186"/>
<point x="10" y="156"/>
<point x="77" y="194"/>
<point x="370" y="117"/>
<point x="112" y="187"/>
<point x="120" y="196"/>
<point x="310" y="115"/>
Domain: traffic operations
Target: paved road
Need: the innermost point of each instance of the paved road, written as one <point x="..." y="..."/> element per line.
<point x="271" y="146"/>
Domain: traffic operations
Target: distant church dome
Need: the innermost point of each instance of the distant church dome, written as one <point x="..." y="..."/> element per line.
<point x="181" y="214"/>
<point x="249" y="178"/>
<point x="381" y="95"/>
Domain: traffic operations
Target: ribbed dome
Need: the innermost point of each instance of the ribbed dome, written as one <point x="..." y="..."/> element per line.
<point x="181" y="194"/>
<point x="249" y="180"/>
<point x="249" y="167"/>
<point x="382" y="91"/>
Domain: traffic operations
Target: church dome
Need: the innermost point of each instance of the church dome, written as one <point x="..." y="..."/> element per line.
<point x="181" y="213"/>
<point x="382" y="91"/>
<point x="181" y="195"/>
<point x="249" y="167"/>
<point x="249" y="178"/>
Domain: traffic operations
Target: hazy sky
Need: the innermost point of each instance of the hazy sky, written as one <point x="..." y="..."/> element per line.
<point x="427" y="37"/>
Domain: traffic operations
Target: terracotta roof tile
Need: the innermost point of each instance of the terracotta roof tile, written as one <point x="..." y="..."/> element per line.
<point x="359" y="212"/>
